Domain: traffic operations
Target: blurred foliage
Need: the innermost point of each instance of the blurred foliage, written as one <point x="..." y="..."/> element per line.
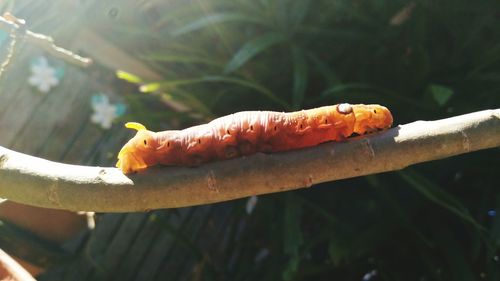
<point x="422" y="59"/>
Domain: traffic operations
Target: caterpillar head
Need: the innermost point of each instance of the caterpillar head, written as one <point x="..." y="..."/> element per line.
<point x="370" y="118"/>
<point x="139" y="152"/>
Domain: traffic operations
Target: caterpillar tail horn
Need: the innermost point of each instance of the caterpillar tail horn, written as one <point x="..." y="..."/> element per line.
<point x="135" y="126"/>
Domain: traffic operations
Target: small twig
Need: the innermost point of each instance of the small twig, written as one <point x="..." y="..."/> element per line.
<point x="10" y="53"/>
<point x="39" y="182"/>
<point x="45" y="42"/>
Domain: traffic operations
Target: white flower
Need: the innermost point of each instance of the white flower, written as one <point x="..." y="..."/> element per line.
<point x="43" y="76"/>
<point x="251" y="202"/>
<point x="104" y="112"/>
<point x="368" y="276"/>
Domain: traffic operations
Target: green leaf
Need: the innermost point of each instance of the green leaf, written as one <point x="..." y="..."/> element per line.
<point x="338" y="251"/>
<point x="337" y="89"/>
<point x="491" y="56"/>
<point x="249" y="84"/>
<point x="191" y="102"/>
<point x="292" y="239"/>
<point x="300" y="76"/>
<point x="213" y="19"/>
<point x="152" y="87"/>
<point x="298" y="11"/>
<point x="176" y="58"/>
<point x="324" y="69"/>
<point x="253" y="48"/>
<point x="454" y="254"/>
<point x="435" y="194"/>
<point x="128" y="77"/>
<point x="349" y="242"/>
<point x="401" y="213"/>
<point x="312" y="206"/>
<point x="149" y="88"/>
<point x="343" y="91"/>
<point x="441" y="94"/>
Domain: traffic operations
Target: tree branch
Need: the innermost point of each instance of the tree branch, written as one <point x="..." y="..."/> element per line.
<point x="39" y="182"/>
<point x="45" y="42"/>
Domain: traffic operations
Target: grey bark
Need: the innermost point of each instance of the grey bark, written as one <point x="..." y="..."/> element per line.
<point x="34" y="181"/>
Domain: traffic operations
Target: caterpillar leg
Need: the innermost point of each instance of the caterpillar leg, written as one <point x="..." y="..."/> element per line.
<point x="230" y="151"/>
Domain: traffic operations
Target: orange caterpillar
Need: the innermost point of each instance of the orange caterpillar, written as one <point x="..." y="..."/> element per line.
<point x="249" y="132"/>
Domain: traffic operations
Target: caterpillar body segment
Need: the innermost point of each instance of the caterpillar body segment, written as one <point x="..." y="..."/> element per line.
<point x="249" y="132"/>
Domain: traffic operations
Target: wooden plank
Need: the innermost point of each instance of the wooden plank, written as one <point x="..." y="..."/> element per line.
<point x="15" y="117"/>
<point x="124" y="238"/>
<point x="146" y="239"/>
<point x="54" y="146"/>
<point x="184" y="244"/>
<point x="76" y="263"/>
<point x="9" y="92"/>
<point x="90" y="158"/>
<point x="10" y="84"/>
<point x="18" y="98"/>
<point x="93" y="146"/>
<point x="162" y="248"/>
<point x="111" y="56"/>
<point x="209" y="240"/>
<point x="107" y="151"/>
<point x="83" y="143"/>
<point x="92" y="259"/>
<point x="56" y="106"/>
